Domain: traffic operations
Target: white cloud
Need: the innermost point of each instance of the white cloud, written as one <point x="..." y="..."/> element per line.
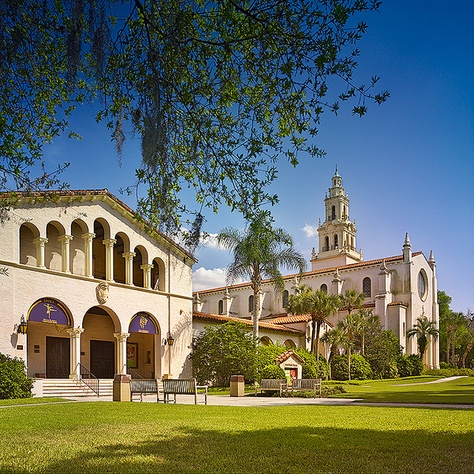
<point x="204" y="279"/>
<point x="310" y="230"/>
<point x="209" y="240"/>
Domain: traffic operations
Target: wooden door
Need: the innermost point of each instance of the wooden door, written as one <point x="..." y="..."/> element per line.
<point x="57" y="357"/>
<point x="102" y="359"/>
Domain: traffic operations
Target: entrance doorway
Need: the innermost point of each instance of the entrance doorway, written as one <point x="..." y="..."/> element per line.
<point x="102" y="359"/>
<point x="57" y="357"/>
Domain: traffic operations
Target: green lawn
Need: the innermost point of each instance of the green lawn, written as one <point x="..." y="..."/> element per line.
<point x="108" y="437"/>
<point x="414" y="390"/>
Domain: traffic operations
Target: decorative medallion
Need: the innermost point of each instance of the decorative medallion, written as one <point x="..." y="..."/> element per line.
<point x="102" y="292"/>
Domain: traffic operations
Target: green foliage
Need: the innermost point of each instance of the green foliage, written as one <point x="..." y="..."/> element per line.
<point x="449" y="372"/>
<point x="222" y="351"/>
<point x="381" y="353"/>
<point x="313" y="368"/>
<point x="360" y="368"/>
<point x="423" y="329"/>
<point x="409" y="365"/>
<point x="272" y="371"/>
<point x="14" y="382"/>
<point x="268" y="354"/>
<point x="218" y="91"/>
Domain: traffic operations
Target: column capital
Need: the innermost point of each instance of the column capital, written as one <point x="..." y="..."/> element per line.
<point x="88" y="236"/>
<point x="41" y="241"/>
<point x="121" y="336"/>
<point x="128" y="255"/>
<point x="75" y="332"/>
<point x="65" y="238"/>
<point x="146" y="266"/>
<point x="109" y="242"/>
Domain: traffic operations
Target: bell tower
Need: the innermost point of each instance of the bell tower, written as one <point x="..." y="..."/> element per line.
<point x="337" y="234"/>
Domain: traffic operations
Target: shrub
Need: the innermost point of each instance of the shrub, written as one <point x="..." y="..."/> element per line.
<point x="268" y="354"/>
<point x="409" y="365"/>
<point x="450" y="372"/>
<point x="360" y="368"/>
<point x="339" y="368"/>
<point x="272" y="371"/>
<point x="14" y="383"/>
<point x="381" y="354"/>
<point x="313" y="368"/>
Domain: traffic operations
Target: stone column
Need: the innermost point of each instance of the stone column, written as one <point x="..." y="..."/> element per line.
<point x="128" y="256"/>
<point x="109" y="258"/>
<point x="40" y="242"/>
<point x="146" y="267"/>
<point x="75" y="359"/>
<point x="121" y="351"/>
<point x="65" y="241"/>
<point x="88" y="238"/>
<point x="336" y="283"/>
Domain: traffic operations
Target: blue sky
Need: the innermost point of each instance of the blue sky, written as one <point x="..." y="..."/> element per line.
<point x="407" y="166"/>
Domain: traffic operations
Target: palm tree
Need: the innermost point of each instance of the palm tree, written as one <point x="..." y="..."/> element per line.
<point x="351" y="299"/>
<point x="319" y="305"/>
<point x="368" y="324"/>
<point x="423" y="329"/>
<point x="351" y="325"/>
<point x="453" y="321"/>
<point x="259" y="252"/>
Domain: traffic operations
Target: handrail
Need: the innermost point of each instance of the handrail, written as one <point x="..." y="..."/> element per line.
<point x="134" y="373"/>
<point x="86" y="374"/>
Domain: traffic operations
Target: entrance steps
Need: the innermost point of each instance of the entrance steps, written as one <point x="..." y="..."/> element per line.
<point x="65" y="388"/>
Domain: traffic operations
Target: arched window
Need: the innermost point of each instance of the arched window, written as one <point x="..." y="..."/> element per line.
<point x="324" y="288"/>
<point x="220" y="307"/>
<point x="333" y="212"/>
<point x="327" y="244"/>
<point x="336" y="242"/>
<point x="367" y="287"/>
<point x="286" y="296"/>
<point x="251" y="302"/>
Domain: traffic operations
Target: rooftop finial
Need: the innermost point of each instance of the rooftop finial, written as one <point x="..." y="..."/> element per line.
<point x="336" y="173"/>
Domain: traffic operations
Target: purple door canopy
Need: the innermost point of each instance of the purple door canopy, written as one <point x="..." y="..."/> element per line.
<point x="142" y="322"/>
<point x="49" y="310"/>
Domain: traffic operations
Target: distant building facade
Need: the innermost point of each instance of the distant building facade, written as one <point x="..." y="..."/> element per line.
<point x="97" y="289"/>
<point x="399" y="289"/>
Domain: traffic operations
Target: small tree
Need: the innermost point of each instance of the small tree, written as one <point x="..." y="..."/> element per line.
<point x="222" y="351"/>
<point x="423" y="329"/>
<point x="14" y="383"/>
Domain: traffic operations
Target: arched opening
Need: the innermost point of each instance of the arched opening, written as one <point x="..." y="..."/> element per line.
<point x="251" y="303"/>
<point x="333" y="212"/>
<point x="48" y="340"/>
<point x="143" y="347"/>
<point x="285" y="298"/>
<point x="53" y="251"/>
<point x="290" y="344"/>
<point x="121" y="246"/>
<point x="336" y="241"/>
<point x="98" y="344"/>
<point x="28" y="233"/>
<point x="324" y="288"/>
<point x="138" y="260"/>
<point x="98" y="251"/>
<point x="220" y="307"/>
<point x="265" y="341"/>
<point x="158" y="278"/>
<point x="326" y="241"/>
<point x="367" y="287"/>
<point x="76" y="248"/>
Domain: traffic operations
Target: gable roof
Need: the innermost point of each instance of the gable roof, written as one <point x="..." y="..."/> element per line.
<point x="287" y="355"/>
<point x="215" y="318"/>
<point x="80" y="195"/>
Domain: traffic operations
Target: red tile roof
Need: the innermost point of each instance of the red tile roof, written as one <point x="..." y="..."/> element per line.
<point x="197" y="315"/>
<point x="286" y="355"/>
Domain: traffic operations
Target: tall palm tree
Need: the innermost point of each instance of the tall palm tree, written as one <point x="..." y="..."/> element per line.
<point x="351" y="299"/>
<point x="368" y="324"/>
<point x="453" y="321"/>
<point x="423" y="329"/>
<point x="259" y="251"/>
<point x="351" y="325"/>
<point x="319" y="305"/>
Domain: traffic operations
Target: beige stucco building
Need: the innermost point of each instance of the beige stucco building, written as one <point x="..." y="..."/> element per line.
<point x="98" y="289"/>
<point x="398" y="288"/>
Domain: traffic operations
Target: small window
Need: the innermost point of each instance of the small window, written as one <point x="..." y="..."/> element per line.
<point x="422" y="285"/>
<point x="324" y="288"/>
<point x="251" y="300"/>
<point x="336" y="242"/>
<point x="221" y="307"/>
<point x="367" y="287"/>
<point x="286" y="296"/>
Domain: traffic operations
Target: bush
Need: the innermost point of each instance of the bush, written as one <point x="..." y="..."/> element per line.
<point x="268" y="354"/>
<point x="272" y="371"/>
<point x="313" y="368"/>
<point x="360" y="368"/>
<point x="450" y="372"/>
<point x="14" y="382"/>
<point x="382" y="353"/>
<point x="409" y="365"/>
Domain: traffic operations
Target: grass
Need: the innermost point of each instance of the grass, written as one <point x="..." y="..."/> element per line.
<point x="412" y="390"/>
<point x="108" y="437"/>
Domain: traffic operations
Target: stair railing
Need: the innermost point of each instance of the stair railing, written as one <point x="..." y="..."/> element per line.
<point x="88" y="378"/>
<point x="134" y="373"/>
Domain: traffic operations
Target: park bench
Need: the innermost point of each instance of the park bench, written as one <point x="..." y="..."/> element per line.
<point x="183" y="387"/>
<point x="306" y="384"/>
<point x="144" y="386"/>
<point x="273" y="385"/>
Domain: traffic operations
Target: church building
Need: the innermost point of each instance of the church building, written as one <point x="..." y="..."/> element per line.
<point x="87" y="288"/>
<point x="397" y="288"/>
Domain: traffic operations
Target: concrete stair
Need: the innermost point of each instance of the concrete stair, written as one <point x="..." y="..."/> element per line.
<point x="67" y="388"/>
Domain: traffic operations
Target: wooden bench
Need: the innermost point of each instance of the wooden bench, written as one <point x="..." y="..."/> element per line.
<point x="273" y="385"/>
<point x="183" y="387"/>
<point x="298" y="385"/>
<point x="144" y="386"/>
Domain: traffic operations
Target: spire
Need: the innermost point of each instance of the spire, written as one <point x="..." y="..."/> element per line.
<point x="432" y="261"/>
<point x="407" y="249"/>
<point x="336" y="173"/>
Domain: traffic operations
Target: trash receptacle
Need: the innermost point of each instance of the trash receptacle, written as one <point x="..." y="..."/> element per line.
<point x="237" y="386"/>
<point x="121" y="390"/>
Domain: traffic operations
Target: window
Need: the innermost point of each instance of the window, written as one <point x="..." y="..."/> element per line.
<point x="220" y="308"/>
<point x="286" y="296"/>
<point x="324" y="288"/>
<point x="336" y="242"/>
<point x="422" y="285"/>
<point x="251" y="300"/>
<point x="367" y="287"/>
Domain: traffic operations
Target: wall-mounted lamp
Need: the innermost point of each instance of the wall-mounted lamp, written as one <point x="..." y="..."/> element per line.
<point x="23" y="326"/>
<point x="169" y="339"/>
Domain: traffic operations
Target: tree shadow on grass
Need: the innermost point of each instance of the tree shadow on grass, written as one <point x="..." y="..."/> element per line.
<point x="285" y="450"/>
